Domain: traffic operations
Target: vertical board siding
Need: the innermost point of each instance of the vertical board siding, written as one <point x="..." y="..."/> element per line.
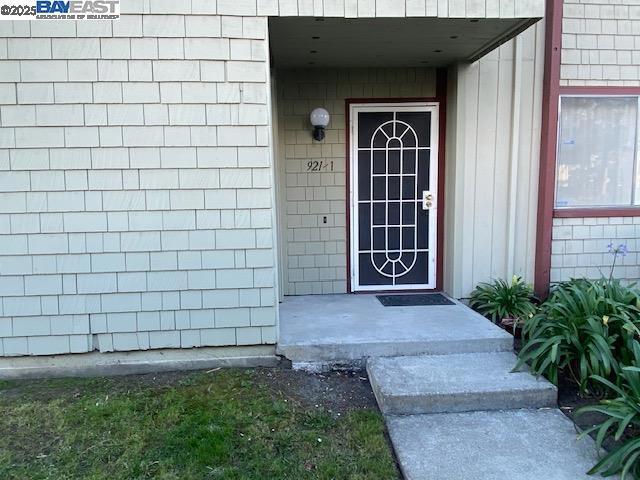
<point x="488" y="160"/>
<point x="464" y="209"/>
<point x="502" y="170"/>
<point x="529" y="148"/>
<point x="478" y="212"/>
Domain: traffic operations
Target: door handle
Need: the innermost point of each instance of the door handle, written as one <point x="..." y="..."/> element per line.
<point x="427" y="200"/>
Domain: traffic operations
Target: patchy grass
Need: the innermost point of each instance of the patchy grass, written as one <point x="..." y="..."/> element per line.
<point x="227" y="424"/>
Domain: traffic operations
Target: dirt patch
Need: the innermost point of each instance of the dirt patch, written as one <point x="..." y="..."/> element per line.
<point x="337" y="392"/>
<point x="570" y="399"/>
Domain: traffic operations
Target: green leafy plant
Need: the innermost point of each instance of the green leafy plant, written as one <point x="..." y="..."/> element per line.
<point x="584" y="328"/>
<point x="622" y="413"/>
<point x="500" y="299"/>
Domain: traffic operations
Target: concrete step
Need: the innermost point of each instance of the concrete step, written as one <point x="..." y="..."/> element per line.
<point x="497" y="445"/>
<point x="455" y="383"/>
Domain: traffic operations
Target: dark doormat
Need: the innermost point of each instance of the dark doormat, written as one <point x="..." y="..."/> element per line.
<point x="414" y="300"/>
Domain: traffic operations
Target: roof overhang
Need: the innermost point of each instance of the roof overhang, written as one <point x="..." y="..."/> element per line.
<point x="387" y="42"/>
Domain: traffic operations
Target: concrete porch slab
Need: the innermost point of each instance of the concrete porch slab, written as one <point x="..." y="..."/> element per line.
<point x="334" y="329"/>
<point x="499" y="445"/>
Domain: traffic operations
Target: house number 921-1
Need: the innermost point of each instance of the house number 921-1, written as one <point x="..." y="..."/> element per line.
<point x="320" y="166"/>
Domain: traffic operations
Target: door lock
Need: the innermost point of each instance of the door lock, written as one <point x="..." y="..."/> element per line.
<point x="427" y="200"/>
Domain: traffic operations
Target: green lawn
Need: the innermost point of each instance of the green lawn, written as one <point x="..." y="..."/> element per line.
<point x="227" y="424"/>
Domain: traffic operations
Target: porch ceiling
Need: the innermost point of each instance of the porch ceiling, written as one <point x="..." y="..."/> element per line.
<point x="386" y="42"/>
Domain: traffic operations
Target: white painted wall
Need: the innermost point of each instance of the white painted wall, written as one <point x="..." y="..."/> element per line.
<point x="493" y="149"/>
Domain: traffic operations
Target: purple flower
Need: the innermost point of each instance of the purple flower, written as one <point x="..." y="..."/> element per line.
<point x="621" y="249"/>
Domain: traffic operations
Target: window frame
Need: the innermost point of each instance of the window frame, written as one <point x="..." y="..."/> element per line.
<point x="598" y="210"/>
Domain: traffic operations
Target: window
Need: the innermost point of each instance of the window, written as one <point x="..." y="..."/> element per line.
<point x="597" y="162"/>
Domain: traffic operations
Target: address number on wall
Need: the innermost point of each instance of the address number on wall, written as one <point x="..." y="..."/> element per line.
<point x="320" y="166"/>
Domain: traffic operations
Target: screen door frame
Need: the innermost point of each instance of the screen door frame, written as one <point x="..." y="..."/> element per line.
<point x="434" y="186"/>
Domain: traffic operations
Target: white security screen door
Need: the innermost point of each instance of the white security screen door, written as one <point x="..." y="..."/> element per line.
<point x="394" y="160"/>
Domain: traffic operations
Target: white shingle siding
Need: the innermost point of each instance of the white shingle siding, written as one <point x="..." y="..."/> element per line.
<point x="600" y="43"/>
<point x="580" y="248"/>
<point x="315" y="252"/>
<point x="600" y="47"/>
<point x="319" y="8"/>
<point x="135" y="175"/>
<point x="116" y="174"/>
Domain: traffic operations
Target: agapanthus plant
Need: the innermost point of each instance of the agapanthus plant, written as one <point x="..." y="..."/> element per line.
<point x="621" y="250"/>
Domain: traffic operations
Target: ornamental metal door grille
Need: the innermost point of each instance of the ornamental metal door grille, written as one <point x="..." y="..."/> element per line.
<point x="393" y="192"/>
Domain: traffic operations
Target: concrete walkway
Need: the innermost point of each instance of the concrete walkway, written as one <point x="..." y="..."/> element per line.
<point x="442" y="376"/>
<point x="459" y="417"/>
<point x="497" y="445"/>
<point x="469" y="417"/>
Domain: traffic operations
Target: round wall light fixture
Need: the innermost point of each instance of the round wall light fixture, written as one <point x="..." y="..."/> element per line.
<point x="319" y="119"/>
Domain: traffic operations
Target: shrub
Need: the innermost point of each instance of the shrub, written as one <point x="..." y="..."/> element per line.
<point x="585" y="327"/>
<point x="621" y="412"/>
<point x="499" y="299"/>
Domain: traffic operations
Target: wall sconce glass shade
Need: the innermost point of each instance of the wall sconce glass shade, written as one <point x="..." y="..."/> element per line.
<point x="319" y="119"/>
